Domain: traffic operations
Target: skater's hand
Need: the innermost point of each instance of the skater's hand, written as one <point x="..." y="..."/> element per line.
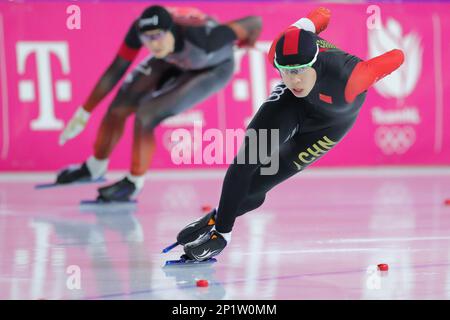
<point x="75" y="126"/>
<point x="320" y="17"/>
<point x="247" y="30"/>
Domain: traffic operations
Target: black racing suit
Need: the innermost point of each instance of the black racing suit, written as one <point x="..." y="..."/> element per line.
<point x="202" y="63"/>
<point x="308" y="128"/>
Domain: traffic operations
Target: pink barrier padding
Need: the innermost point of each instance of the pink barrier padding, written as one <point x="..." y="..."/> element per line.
<point x="47" y="70"/>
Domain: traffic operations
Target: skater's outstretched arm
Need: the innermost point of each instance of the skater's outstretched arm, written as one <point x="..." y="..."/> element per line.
<point x="316" y="21"/>
<point x="245" y="31"/>
<point x="127" y="52"/>
<point x="366" y="73"/>
<point x="106" y="82"/>
<point x="125" y="56"/>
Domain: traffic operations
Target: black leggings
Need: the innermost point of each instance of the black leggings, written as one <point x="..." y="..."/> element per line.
<point x="303" y="138"/>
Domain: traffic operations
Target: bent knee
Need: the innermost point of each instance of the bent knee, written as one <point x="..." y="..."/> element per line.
<point x="119" y="112"/>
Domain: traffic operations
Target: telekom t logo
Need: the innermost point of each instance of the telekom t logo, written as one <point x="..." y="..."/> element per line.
<point x="42" y="51"/>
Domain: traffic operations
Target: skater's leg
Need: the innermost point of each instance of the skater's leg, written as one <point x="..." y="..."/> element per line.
<point x="108" y="135"/>
<point x="283" y="114"/>
<point x="185" y="92"/>
<point x="294" y="155"/>
<point x="278" y="113"/>
<point x="142" y="150"/>
<point x="178" y="92"/>
<point x="144" y="80"/>
<point x="111" y="129"/>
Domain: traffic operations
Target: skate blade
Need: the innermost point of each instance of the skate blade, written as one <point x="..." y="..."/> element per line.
<point x="57" y="185"/>
<point x="167" y="249"/>
<point x="184" y="262"/>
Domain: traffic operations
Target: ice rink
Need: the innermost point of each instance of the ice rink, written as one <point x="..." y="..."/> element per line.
<point x="318" y="236"/>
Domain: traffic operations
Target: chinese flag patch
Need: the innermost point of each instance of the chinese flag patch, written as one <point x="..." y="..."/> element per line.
<point x="325" y="98"/>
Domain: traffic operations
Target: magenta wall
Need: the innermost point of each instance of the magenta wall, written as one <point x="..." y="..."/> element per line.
<point x="47" y="70"/>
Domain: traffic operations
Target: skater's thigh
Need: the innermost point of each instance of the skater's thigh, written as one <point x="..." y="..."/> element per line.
<point x="145" y="79"/>
<point x="183" y="92"/>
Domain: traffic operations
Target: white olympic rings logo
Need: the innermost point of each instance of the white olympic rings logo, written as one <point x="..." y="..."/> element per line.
<point x="395" y="140"/>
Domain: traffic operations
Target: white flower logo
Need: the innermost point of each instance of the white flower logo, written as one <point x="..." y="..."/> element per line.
<point x="402" y="82"/>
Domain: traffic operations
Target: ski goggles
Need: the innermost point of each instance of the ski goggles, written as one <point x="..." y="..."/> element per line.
<point x="296" y="68"/>
<point x="145" y="37"/>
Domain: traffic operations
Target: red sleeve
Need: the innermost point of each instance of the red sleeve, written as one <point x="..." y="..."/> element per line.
<point x="127" y="53"/>
<point x="131" y="44"/>
<point x="366" y="73"/>
<point x="187" y="16"/>
<point x="320" y="17"/>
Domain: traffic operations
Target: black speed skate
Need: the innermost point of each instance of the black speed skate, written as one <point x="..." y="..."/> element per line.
<point x="194" y="230"/>
<point x="121" y="191"/>
<point x="74" y="174"/>
<point x="71" y="176"/>
<point x="197" y="229"/>
<point x="206" y="247"/>
<point x="201" y="251"/>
